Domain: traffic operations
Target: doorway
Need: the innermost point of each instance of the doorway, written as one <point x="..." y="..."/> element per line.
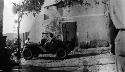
<point x="69" y="30"/>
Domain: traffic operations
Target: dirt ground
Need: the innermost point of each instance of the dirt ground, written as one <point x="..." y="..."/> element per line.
<point x="79" y="60"/>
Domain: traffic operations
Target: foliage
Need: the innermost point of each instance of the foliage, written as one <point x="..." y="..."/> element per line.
<point x="70" y="2"/>
<point x="35" y="5"/>
<point x="29" y="6"/>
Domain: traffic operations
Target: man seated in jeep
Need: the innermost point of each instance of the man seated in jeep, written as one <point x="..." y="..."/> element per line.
<point x="48" y="40"/>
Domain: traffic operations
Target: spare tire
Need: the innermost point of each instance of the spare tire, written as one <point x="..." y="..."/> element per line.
<point x="27" y="54"/>
<point x="61" y="53"/>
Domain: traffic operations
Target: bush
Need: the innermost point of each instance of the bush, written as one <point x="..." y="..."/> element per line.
<point x="94" y="44"/>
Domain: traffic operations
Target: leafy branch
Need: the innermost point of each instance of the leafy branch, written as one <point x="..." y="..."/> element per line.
<point x="29" y="6"/>
<point x="35" y="5"/>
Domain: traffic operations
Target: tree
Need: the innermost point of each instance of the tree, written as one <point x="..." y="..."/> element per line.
<point x="35" y="5"/>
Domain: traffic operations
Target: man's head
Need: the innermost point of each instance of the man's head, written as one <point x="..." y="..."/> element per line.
<point x="46" y="35"/>
<point x="51" y="35"/>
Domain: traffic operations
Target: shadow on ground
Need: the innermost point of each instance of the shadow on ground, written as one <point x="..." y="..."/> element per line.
<point x="69" y="56"/>
<point x="32" y="69"/>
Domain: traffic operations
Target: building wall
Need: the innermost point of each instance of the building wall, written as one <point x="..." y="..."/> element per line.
<point x="1" y="16"/>
<point x="42" y="24"/>
<point x="92" y="20"/>
<point x="2" y="38"/>
<point x="36" y="29"/>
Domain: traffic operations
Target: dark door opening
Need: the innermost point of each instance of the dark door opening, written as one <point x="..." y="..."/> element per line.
<point x="69" y="30"/>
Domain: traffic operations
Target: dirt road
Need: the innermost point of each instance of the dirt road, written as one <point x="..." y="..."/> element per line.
<point x="79" y="60"/>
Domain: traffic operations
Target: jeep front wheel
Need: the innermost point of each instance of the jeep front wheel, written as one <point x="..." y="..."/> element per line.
<point x="61" y="53"/>
<point x="27" y="54"/>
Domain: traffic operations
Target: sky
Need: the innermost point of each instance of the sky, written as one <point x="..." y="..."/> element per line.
<point x="9" y="18"/>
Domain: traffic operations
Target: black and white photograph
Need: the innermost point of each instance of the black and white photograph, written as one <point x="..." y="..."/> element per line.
<point x="62" y="35"/>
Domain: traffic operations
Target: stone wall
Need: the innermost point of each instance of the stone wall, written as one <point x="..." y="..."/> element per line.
<point x="92" y="19"/>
